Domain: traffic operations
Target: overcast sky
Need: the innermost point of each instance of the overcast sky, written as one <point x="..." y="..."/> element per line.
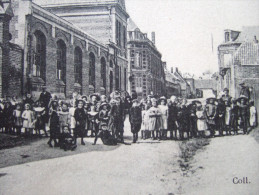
<point x="184" y="27"/>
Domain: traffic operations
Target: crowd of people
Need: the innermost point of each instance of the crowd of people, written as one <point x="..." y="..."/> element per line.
<point x="103" y="117"/>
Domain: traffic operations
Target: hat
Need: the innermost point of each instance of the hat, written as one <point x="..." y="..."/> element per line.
<point x="211" y="98"/>
<point x="80" y="100"/>
<point x="96" y="95"/>
<point x="242" y="84"/>
<point x="226" y="89"/>
<point x="196" y="102"/>
<point x="104" y="104"/>
<point x="242" y="98"/>
<point x="163" y="98"/>
<point x="84" y="96"/>
<point x="113" y="101"/>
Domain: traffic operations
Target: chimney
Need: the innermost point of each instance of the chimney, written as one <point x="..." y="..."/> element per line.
<point x="172" y="70"/>
<point x="153" y="35"/>
<point x="255" y="39"/>
<point x="176" y="69"/>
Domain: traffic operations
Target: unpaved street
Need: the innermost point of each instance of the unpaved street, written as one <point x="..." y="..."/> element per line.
<point x="144" y="168"/>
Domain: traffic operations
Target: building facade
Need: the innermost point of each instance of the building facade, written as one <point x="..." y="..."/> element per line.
<point x="106" y="21"/>
<point x="145" y="65"/>
<point x="173" y="87"/>
<point x="238" y="59"/>
<point x="58" y="53"/>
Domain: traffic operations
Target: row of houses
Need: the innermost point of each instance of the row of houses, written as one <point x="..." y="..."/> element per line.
<point x="82" y="45"/>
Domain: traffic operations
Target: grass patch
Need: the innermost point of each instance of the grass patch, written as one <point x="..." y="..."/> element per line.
<point x="188" y="149"/>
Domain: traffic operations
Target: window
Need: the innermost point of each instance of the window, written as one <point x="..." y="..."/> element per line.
<point x="78" y="65"/>
<point x="103" y="73"/>
<point x="111" y="81"/>
<point x="125" y="79"/>
<point x="39" y="61"/>
<point x="61" y="61"/>
<point x="124" y="37"/>
<point x="111" y="63"/>
<point x="118" y="33"/>
<point x="92" y="69"/>
<point x="117" y="80"/>
<point x="138" y="59"/>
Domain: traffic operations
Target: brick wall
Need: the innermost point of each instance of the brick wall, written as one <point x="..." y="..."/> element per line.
<point x="15" y="71"/>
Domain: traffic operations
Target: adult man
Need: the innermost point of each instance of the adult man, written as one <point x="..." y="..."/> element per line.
<point x="244" y="91"/>
<point x="45" y="97"/>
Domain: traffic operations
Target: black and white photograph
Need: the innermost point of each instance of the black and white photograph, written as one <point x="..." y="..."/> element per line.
<point x="134" y="97"/>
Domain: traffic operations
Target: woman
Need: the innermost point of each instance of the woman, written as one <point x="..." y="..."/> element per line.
<point x="164" y="116"/>
<point x="80" y="117"/>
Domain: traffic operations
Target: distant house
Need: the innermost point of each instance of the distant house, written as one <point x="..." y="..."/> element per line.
<point x="173" y="86"/>
<point x="185" y="87"/>
<point x="205" y="88"/>
<point x="239" y="62"/>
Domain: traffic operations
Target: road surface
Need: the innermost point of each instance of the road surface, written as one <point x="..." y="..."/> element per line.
<point x="149" y="167"/>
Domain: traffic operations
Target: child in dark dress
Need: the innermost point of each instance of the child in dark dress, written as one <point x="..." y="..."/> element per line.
<point x="66" y="140"/>
<point x="54" y="126"/>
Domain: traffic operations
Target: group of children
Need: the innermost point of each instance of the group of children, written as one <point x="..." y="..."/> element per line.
<point x="196" y="119"/>
<point x="104" y="118"/>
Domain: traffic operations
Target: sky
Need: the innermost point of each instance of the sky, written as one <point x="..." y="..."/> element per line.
<point x="185" y="28"/>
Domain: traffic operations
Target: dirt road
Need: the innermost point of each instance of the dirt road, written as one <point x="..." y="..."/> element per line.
<point x="143" y="168"/>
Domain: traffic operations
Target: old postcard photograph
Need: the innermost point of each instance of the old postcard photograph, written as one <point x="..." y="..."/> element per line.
<point x="134" y="97"/>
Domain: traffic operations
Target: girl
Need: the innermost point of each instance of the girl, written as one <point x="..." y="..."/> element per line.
<point x="135" y="119"/>
<point x="54" y="126"/>
<point x="154" y="119"/>
<point x="40" y="120"/>
<point x="201" y="120"/>
<point x="253" y="115"/>
<point x="227" y="117"/>
<point x="28" y="120"/>
<point x="164" y="116"/>
<point x="72" y="117"/>
<point x="92" y="116"/>
<point x="17" y="114"/>
<point x="80" y="117"/>
<point x="234" y="117"/>
<point x="144" y="124"/>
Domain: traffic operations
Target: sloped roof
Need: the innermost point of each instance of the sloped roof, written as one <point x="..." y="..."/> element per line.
<point x="205" y="84"/>
<point x="247" y="54"/>
<point x="79" y="2"/>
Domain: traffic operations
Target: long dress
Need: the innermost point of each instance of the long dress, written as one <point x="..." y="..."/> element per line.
<point x="252" y="118"/>
<point x="80" y="117"/>
<point x="135" y="119"/>
<point x="227" y="115"/>
<point x="164" y="116"/>
<point x="72" y="119"/>
<point x="145" y="120"/>
<point x="201" y="121"/>
<point x="154" y="119"/>
<point x="28" y="119"/>
<point x="17" y="118"/>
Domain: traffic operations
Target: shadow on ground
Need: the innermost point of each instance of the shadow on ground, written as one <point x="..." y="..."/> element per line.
<point x="38" y="149"/>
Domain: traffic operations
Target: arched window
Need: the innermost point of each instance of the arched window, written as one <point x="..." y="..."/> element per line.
<point x="111" y="81"/>
<point x="92" y="69"/>
<point x="39" y="58"/>
<point x="111" y="63"/>
<point x="61" y="61"/>
<point x="78" y="65"/>
<point x="103" y="73"/>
